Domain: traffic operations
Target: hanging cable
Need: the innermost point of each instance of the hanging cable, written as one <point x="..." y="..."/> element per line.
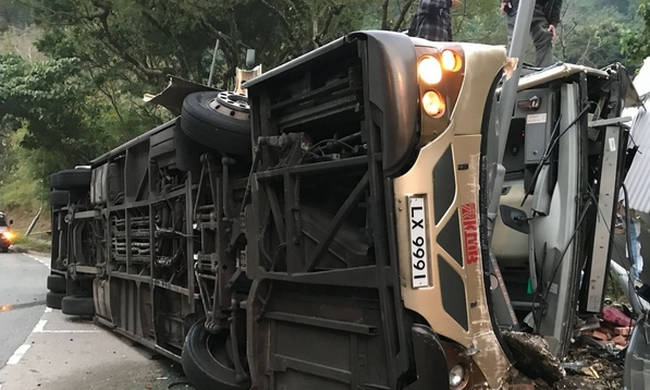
<point x="551" y="147"/>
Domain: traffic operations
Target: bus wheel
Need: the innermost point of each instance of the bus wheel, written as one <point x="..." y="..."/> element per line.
<point x="53" y="300"/>
<point x="219" y="120"/>
<point x="69" y="179"/>
<point x="78" y="306"/>
<point x="56" y="283"/>
<point x="59" y="198"/>
<point x="206" y="362"/>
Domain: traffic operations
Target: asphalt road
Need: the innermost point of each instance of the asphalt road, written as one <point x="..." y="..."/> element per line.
<point x="41" y="348"/>
<point x="22" y="300"/>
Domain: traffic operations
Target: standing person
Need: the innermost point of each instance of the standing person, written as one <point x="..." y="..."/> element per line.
<point x="543" y="28"/>
<point x="432" y="20"/>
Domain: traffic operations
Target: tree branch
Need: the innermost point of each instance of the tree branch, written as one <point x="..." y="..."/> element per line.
<point x="113" y="45"/>
<point x="332" y="11"/>
<point x="402" y="15"/>
<point x="384" y="15"/>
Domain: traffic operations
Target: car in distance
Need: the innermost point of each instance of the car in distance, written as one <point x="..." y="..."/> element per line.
<point x="7" y="236"/>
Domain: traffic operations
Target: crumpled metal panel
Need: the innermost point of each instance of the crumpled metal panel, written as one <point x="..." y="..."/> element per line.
<point x="638" y="179"/>
<point x="173" y="95"/>
<point x="637" y="359"/>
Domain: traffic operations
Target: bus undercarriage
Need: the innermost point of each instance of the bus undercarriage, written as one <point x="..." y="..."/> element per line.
<point x="330" y="230"/>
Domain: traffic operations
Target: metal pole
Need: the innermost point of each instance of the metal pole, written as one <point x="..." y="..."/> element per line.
<point x="214" y="59"/>
<point x="497" y="137"/>
<point x="496" y="171"/>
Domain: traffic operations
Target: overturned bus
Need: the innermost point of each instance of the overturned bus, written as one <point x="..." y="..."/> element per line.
<point x="330" y="230"/>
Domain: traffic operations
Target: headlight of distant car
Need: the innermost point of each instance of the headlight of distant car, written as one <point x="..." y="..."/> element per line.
<point x="8" y="236"/>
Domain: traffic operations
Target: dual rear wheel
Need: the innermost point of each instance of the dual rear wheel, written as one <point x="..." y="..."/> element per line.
<point x="56" y="298"/>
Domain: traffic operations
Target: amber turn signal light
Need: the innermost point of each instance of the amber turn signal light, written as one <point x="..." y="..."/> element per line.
<point x="451" y="61"/>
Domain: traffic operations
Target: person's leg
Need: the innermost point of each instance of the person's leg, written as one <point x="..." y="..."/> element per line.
<point x="542" y="38"/>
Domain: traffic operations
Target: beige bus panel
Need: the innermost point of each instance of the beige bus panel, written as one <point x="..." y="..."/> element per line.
<point x="482" y="64"/>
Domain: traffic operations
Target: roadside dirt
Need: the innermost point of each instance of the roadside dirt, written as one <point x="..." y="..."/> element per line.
<point x="23" y="217"/>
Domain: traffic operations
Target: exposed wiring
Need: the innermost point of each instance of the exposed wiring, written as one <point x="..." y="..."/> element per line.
<point x="551" y="147"/>
<point x="558" y="264"/>
<point x="539" y="166"/>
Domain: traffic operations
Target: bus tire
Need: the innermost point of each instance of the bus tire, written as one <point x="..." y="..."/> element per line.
<point x="53" y="300"/>
<point x="56" y="283"/>
<point x="209" y="369"/>
<point x="59" y="198"/>
<point x="78" y="306"/>
<point x="70" y="179"/>
<point x="218" y="120"/>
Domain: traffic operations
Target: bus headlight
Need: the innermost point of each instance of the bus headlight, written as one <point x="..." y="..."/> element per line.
<point x="456" y="376"/>
<point x="433" y="104"/>
<point x="430" y="70"/>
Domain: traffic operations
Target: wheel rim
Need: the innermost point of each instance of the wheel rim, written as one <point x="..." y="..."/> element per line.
<point x="232" y="101"/>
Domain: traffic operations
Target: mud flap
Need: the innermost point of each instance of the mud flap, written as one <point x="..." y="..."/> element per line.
<point x="431" y="364"/>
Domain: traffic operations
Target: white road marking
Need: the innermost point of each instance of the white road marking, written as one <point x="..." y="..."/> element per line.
<point x="71" y="331"/>
<point x="15" y="358"/>
<point x="40" y="328"/>
<point x="41" y="260"/>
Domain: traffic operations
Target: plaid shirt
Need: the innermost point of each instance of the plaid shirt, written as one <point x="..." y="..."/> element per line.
<point x="432" y="20"/>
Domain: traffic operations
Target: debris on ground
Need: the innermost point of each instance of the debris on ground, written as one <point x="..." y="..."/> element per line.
<point x="616" y="316"/>
<point x="533" y="356"/>
<point x="587" y="367"/>
<point x="611" y="332"/>
<point x="596" y="358"/>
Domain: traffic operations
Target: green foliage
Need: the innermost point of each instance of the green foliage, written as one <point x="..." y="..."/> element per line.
<point x="54" y="102"/>
<point x="137" y="43"/>
<point x="479" y="21"/>
<point x="14" y="13"/>
<point x="635" y="43"/>
<point x="80" y="95"/>
<point x="591" y="32"/>
<point x="22" y="183"/>
<point x="54" y="117"/>
<point x="33" y="243"/>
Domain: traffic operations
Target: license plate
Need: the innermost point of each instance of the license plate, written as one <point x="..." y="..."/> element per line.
<point x="419" y="249"/>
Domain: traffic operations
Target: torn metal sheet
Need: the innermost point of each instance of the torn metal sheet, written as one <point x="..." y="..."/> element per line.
<point x="637" y="360"/>
<point x="173" y="95"/>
